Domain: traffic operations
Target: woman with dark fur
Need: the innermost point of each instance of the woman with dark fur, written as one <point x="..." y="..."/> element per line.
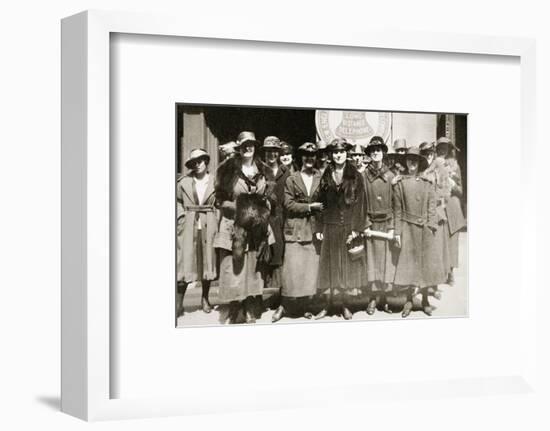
<point x="342" y="193"/>
<point x="244" y="236"/>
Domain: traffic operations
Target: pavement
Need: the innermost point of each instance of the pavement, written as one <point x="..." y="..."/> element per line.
<point x="453" y="303"/>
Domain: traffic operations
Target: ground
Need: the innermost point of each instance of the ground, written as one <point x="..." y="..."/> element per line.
<point x="453" y="302"/>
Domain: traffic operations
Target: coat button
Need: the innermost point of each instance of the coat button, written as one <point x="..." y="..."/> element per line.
<point x="417" y="179"/>
<point x="379" y="197"/>
<point x="419" y="220"/>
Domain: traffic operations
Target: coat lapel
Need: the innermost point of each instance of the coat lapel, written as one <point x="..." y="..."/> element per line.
<point x="187" y="186"/>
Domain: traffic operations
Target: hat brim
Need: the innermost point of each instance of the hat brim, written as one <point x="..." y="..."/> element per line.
<point x="205" y="157"/>
<point x="422" y="161"/>
<point x="449" y="144"/>
<point x="370" y="147"/>
<point x="240" y="144"/>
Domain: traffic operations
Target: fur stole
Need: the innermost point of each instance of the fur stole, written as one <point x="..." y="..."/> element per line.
<point x="351" y="182"/>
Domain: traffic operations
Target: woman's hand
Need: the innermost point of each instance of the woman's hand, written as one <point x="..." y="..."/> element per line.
<point x="352" y="236"/>
<point x="367" y="232"/>
<point x="316" y="206"/>
<point x="319" y="236"/>
<point x="397" y="240"/>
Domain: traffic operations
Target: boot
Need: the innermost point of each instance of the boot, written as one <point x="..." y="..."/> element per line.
<point x="278" y="315"/>
<point x="407" y="308"/>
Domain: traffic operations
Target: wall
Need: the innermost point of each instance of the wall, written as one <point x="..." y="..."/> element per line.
<point x="30" y="216"/>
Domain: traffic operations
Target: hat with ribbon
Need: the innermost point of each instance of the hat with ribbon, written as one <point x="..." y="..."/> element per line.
<point x="339" y="144"/>
<point x="376" y="142"/>
<point x="357" y="149"/>
<point x="286" y="148"/>
<point x="272" y="143"/>
<point x="195" y="155"/>
<point x="246" y="137"/>
<point x="307" y="148"/>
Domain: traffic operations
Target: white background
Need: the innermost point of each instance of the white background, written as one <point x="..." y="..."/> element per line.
<point x="29" y="311"/>
<point x="286" y="356"/>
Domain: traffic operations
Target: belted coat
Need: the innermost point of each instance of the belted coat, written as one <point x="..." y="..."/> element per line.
<point x="189" y="213"/>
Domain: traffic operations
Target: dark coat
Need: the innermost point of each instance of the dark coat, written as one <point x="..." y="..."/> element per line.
<point x="276" y="220"/>
<point x="189" y="211"/>
<point x="299" y="224"/>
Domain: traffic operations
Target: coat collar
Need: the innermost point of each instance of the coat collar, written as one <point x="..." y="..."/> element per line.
<point x="302" y="186"/>
<point x="187" y="187"/>
<point x="372" y="173"/>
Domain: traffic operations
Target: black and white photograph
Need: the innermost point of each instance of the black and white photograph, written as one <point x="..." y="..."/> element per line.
<point x="297" y="215"/>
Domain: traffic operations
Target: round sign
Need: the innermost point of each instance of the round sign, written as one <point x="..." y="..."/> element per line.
<point x="357" y="127"/>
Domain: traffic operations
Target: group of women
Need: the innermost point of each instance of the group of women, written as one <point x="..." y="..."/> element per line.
<point x="335" y="227"/>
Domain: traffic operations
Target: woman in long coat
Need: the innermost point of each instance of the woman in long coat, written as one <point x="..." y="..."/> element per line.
<point x="380" y="252"/>
<point x="455" y="216"/>
<point x="342" y="193"/>
<point x="415" y="226"/>
<point x="197" y="226"/>
<point x="243" y="236"/>
<point x="301" y="261"/>
<point x="438" y="258"/>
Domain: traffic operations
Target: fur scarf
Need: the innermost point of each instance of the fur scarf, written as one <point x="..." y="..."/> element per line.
<point x="351" y="182"/>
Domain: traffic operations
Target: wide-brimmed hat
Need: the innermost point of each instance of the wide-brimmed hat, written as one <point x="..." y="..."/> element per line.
<point x="425" y="147"/>
<point x="246" y="137"/>
<point x="376" y="142"/>
<point x="196" y="154"/>
<point x="414" y="153"/>
<point x="271" y="143"/>
<point x="446" y="141"/>
<point x="339" y="144"/>
<point x="400" y="144"/>
<point x="357" y="149"/>
<point x="307" y="148"/>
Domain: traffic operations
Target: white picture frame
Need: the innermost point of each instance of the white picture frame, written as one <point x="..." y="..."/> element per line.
<point x="86" y="340"/>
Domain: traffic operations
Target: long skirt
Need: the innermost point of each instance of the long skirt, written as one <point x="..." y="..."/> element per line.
<point x="195" y="268"/>
<point x="436" y="256"/>
<point x="300" y="270"/>
<point x="453" y="249"/>
<point x="421" y="260"/>
<point x="338" y="272"/>
<point x="238" y="285"/>
<point x="381" y="256"/>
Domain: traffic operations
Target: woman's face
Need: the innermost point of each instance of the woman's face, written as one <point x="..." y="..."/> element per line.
<point x="376" y="154"/>
<point x="412" y="166"/>
<point x="339" y="156"/>
<point x="200" y="166"/>
<point x="401" y="151"/>
<point x="247" y="150"/>
<point x="271" y="156"/>
<point x="357" y="159"/>
<point x="430" y="156"/>
<point x="308" y="161"/>
<point x="286" y="159"/>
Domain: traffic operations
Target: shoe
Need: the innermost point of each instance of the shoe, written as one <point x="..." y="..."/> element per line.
<point x="321" y="314"/>
<point x="427" y="309"/>
<point x="371" y="308"/>
<point x="346" y="314"/>
<point x="308" y="315"/>
<point x="387" y="308"/>
<point x="278" y="315"/>
<point x="206" y="307"/>
<point x="407" y="308"/>
<point x="437" y="295"/>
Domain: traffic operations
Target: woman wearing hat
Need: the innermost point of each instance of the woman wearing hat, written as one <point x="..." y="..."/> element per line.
<point x="276" y="174"/>
<point x="395" y="160"/>
<point x="380" y="252"/>
<point x="359" y="157"/>
<point x="437" y="259"/>
<point x="342" y="193"/>
<point x="455" y="216"/>
<point x="243" y="236"/>
<point x="196" y="228"/>
<point x="301" y="261"/>
<point x="415" y="224"/>
<point x="286" y="157"/>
